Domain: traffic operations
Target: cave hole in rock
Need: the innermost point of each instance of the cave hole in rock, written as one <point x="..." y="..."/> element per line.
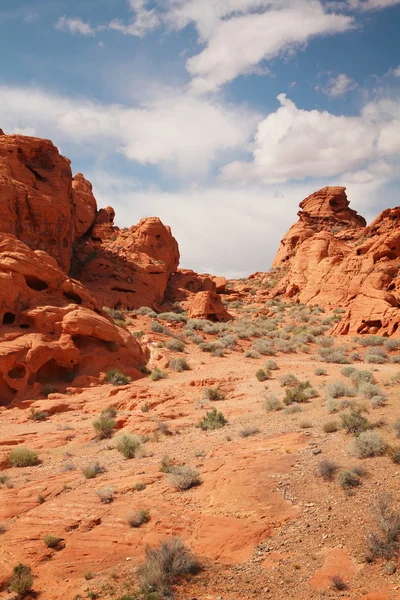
<point x="51" y="371"/>
<point x="75" y="298"/>
<point x="24" y="326"/>
<point x="8" y="318"/>
<point x="35" y="283"/>
<point x="18" y="372"/>
<point x="7" y="394"/>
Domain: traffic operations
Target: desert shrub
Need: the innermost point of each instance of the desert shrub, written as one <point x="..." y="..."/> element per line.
<point x="334" y="355"/>
<point x="358" y="378"/>
<point x="52" y="541"/>
<point x="391" y="344"/>
<point x="146" y="310"/>
<point x="140" y="486"/>
<point x="105" y="494"/>
<point x="213" y="393"/>
<point x="369" y="390"/>
<point x="368" y="444"/>
<point x="375" y="359"/>
<point x="3" y="528"/>
<point x="272" y="403"/>
<point x="164" y="565"/>
<point x="371" y="340"/>
<point x="262" y="375"/>
<point x="305" y="424"/>
<point x="183" y="478"/>
<point x="301" y="393"/>
<point x="218" y="352"/>
<point x="211" y="346"/>
<point x="138" y="518"/>
<point x="378" y="401"/>
<point x="338" y="583"/>
<point x="396" y="427"/>
<point x="172" y="317"/>
<point x="104" y="426"/>
<point x="156" y="327"/>
<point x="251" y="354"/>
<point x="228" y="341"/>
<point x="326" y="342"/>
<point x="288" y="380"/>
<point x="394" y="453"/>
<point x="179" y="364"/>
<point x="128" y="445"/>
<point x="271" y="365"/>
<point x="22" y="457"/>
<point x="338" y="389"/>
<point x="92" y="470"/>
<point x="38" y="415"/>
<point x="116" y="378"/>
<point x="248" y="431"/>
<point x="292" y="409"/>
<point x="109" y="411"/>
<point x="354" y="421"/>
<point x="175" y="345"/>
<point x="21" y="580"/>
<point x="167" y="465"/>
<point x="327" y="469"/>
<point x="213" y="420"/>
<point x="348" y="479"/>
<point x="395" y="359"/>
<point x="384" y="542"/>
<point x="319" y="372"/>
<point x="331" y="426"/>
<point x="265" y="347"/>
<point x="286" y="347"/>
<point x="347" y="371"/>
<point x="158" y="374"/>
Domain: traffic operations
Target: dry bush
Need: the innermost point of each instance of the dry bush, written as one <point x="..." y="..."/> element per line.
<point x="22" y="457"/>
<point x="338" y="389"/>
<point x="184" y="478"/>
<point x="348" y="479"/>
<point x="105" y="494"/>
<point x="104" y="426"/>
<point x="179" y="364"/>
<point x="91" y="471"/>
<point x="354" y="421"/>
<point x="53" y="541"/>
<point x="213" y="393"/>
<point x="369" y="444"/>
<point x="338" y="583"/>
<point x="248" y="431"/>
<point x="117" y="378"/>
<point x="128" y="445"/>
<point x="175" y="345"/>
<point x="327" y="469"/>
<point x="331" y="426"/>
<point x="272" y="403"/>
<point x="138" y="518"/>
<point x="384" y="542"/>
<point x="21" y="580"/>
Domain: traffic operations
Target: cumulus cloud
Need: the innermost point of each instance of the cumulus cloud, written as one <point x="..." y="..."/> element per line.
<point x="145" y="20"/>
<point x="292" y="143"/>
<point x="181" y="133"/>
<point x="396" y="71"/>
<point x="366" y="5"/>
<point x="338" y="86"/>
<point x="74" y="25"/>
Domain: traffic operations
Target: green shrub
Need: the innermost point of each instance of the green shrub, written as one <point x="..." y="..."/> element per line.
<point x="156" y="327"/>
<point x="213" y="420"/>
<point x="371" y="340"/>
<point x="52" y="541"/>
<point x="301" y="393"/>
<point x="117" y="378"/>
<point x="228" y="340"/>
<point x="251" y="354"/>
<point x="38" y="415"/>
<point x="271" y="365"/>
<point x="369" y="390"/>
<point x="338" y="389"/>
<point x="146" y="310"/>
<point x="319" y="372"/>
<point x="128" y="445"/>
<point x="347" y="371"/>
<point x="368" y="444"/>
<point x="157" y="374"/>
<point x="211" y="347"/>
<point x="21" y="580"/>
<point x="391" y="344"/>
<point x="175" y="345"/>
<point x="172" y="560"/>
<point x="179" y="364"/>
<point x="348" y="479"/>
<point x="213" y="393"/>
<point x="22" y="457"/>
<point x="138" y="518"/>
<point x="104" y="426"/>
<point x="91" y="471"/>
<point x="172" y="317"/>
<point x="375" y="359"/>
<point x="354" y="421"/>
<point x="272" y="403"/>
<point x="265" y="347"/>
<point x="183" y="478"/>
<point x="358" y="378"/>
<point x="262" y="375"/>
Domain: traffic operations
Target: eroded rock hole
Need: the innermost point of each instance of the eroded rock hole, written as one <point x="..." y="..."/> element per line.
<point x="74" y="297"/>
<point x="51" y="371"/>
<point x="18" y="372"/>
<point x="35" y="283"/>
<point x="8" y="318"/>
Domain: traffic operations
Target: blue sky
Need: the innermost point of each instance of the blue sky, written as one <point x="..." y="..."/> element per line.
<point x="218" y="116"/>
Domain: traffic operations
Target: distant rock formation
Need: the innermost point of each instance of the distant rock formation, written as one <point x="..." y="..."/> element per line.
<point x="331" y="258"/>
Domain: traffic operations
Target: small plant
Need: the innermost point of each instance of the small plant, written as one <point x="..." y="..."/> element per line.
<point x="145" y="407"/>
<point x="369" y="390"/>
<point x="88" y="575"/>
<point x="3" y="528"/>
<point x="319" y="371"/>
<point x="167" y="465"/>
<point x="384" y="542"/>
<point x="22" y="457"/>
<point x="272" y="403"/>
<point x="289" y="380"/>
<point x="105" y="494"/>
<point x="138" y="518"/>
<point x="292" y="409"/>
<point x="178" y="364"/>
<point x="117" y="378"/>
<point x="359" y="377"/>
<point x="140" y="486"/>
<point x="104" y="426"/>
<point x="128" y="445"/>
<point x="156" y="327"/>
<point x="175" y="345"/>
<point x="348" y="479"/>
<point x="327" y="469"/>
<point x="213" y="394"/>
<point x="53" y="541"/>
<point x="248" y="431"/>
<point x="41" y="499"/>
<point x="354" y="421"/>
<point x="368" y="444"/>
<point x="338" y="583"/>
<point x="184" y="478"/>
<point x="262" y="375"/>
<point x="110" y="412"/>
<point x="301" y="393"/>
<point x="271" y="365"/>
<point x="347" y="371"/>
<point x="338" y="389"/>
<point x="164" y="565"/>
<point x="157" y="374"/>
<point x="91" y="471"/>
<point x="396" y="427"/>
<point x="21" y="580"/>
<point x="38" y="415"/>
<point x="213" y="420"/>
<point x="331" y="426"/>
<point x="263" y="346"/>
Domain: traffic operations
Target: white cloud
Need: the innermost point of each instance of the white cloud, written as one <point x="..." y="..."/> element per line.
<point x="295" y="144"/>
<point x="181" y="133"/>
<point x="396" y="71"/>
<point x="338" y="86"/>
<point x="74" y="25"/>
<point x="365" y="5"/>
<point x="145" y="20"/>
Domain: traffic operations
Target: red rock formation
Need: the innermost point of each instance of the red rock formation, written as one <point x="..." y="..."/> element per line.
<point x="51" y="327"/>
<point x="208" y="305"/>
<point x="183" y="284"/>
<point x="41" y="204"/>
<point x="330" y="258"/>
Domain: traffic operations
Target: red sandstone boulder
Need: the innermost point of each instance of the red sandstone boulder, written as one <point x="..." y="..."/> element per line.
<point x="183" y="284"/>
<point x="208" y="305"/>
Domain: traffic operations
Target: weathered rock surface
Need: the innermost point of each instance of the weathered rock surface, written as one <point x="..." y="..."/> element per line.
<point x="329" y="257"/>
<point x="208" y="305"/>
<point x="51" y="327"/>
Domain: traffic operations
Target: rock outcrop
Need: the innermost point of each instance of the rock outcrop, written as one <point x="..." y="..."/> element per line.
<point x="331" y="258"/>
<point x="208" y="305"/>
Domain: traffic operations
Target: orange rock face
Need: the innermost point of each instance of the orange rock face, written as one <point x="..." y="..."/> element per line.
<point x="330" y="258"/>
<point x="51" y="327"/>
<point x="208" y="305"/>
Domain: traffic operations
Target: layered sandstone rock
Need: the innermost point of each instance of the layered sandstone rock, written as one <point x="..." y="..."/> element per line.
<point x="329" y="257"/>
<point x="208" y="305"/>
<point x="52" y="330"/>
